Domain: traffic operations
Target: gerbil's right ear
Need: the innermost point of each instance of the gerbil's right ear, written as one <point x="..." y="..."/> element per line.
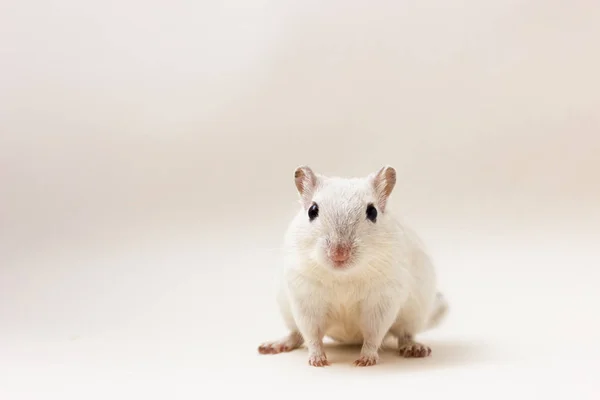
<point x="306" y="182"/>
<point x="384" y="181"/>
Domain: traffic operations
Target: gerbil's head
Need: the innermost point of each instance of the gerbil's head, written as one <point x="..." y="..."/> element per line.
<point x="343" y="222"/>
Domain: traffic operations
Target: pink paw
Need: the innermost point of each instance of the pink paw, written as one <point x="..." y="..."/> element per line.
<point x="414" y="350"/>
<point x="366" y="361"/>
<point x="273" y="348"/>
<point x="318" y="360"/>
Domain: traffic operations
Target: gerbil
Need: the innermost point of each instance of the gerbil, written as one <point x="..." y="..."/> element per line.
<point x="352" y="272"/>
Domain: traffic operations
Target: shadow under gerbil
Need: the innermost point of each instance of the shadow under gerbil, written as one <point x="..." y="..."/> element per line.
<point x="444" y="354"/>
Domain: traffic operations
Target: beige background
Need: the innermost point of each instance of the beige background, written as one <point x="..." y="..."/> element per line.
<point x="146" y="159"/>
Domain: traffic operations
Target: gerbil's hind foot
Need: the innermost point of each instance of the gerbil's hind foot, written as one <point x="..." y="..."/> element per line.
<point x="408" y="348"/>
<point x="288" y="343"/>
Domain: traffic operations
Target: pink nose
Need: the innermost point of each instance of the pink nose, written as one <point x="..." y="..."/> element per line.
<point x="339" y="253"/>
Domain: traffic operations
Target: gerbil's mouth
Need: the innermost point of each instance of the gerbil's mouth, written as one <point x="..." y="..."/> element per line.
<point x="340" y="264"/>
<point x="340" y="255"/>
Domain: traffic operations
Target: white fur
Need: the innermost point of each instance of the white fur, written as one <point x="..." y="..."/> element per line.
<point x="389" y="287"/>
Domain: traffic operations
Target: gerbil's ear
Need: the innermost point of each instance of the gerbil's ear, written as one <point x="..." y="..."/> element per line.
<point x="384" y="181"/>
<point x="306" y="182"/>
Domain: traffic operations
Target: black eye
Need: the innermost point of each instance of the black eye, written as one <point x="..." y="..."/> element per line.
<point x="371" y="213"/>
<point x="313" y="211"/>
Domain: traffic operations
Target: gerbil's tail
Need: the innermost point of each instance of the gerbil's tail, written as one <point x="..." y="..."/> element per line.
<point x="440" y="309"/>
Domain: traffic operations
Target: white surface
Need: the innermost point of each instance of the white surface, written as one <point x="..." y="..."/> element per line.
<point x="147" y="152"/>
<point x="164" y="319"/>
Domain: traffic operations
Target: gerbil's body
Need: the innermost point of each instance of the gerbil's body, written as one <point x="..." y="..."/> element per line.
<point x="353" y="272"/>
<point x="406" y="279"/>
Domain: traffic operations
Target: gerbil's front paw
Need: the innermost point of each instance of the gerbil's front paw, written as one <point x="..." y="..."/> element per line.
<point x="366" y="360"/>
<point x="414" y="350"/>
<point x="318" y="360"/>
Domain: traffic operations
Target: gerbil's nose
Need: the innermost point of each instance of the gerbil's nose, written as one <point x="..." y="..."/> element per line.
<point x="339" y="253"/>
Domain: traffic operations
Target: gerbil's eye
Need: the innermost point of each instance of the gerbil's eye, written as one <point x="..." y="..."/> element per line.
<point x="371" y="213"/>
<point x="313" y="211"/>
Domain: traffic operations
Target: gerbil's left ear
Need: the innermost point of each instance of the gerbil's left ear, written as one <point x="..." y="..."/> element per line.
<point x="306" y="182"/>
<point x="384" y="181"/>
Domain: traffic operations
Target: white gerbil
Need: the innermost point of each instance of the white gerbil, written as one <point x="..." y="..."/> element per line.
<point x="353" y="272"/>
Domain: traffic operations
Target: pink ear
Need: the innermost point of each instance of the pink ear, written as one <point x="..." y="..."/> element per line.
<point x="306" y="182"/>
<point x="384" y="181"/>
